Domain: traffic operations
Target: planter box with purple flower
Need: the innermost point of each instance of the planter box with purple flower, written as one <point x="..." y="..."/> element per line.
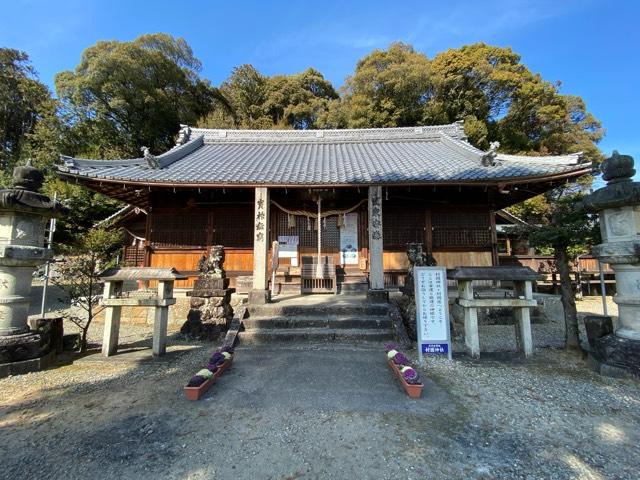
<point x="408" y="376"/>
<point x="199" y="384"/>
<point x="205" y="378"/>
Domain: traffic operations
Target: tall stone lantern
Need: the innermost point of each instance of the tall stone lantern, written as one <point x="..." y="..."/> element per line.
<point x="618" y="204"/>
<point x="23" y="217"/>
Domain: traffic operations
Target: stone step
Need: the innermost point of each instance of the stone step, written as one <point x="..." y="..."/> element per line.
<point x="335" y="309"/>
<point x="355" y="287"/>
<point x="353" y="335"/>
<point x="316" y="321"/>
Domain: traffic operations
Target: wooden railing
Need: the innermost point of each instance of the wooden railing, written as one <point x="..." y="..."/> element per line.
<point x="318" y="280"/>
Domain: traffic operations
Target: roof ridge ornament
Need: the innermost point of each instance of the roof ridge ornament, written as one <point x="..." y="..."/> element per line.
<point x="489" y="158"/>
<point x="152" y="161"/>
<point x="184" y="134"/>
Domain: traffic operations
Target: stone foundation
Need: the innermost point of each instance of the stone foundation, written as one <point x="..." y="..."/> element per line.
<point x="617" y="353"/>
<point x="210" y="310"/>
<point x="32" y="351"/>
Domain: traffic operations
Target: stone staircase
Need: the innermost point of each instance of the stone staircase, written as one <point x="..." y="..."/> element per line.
<point x="330" y="321"/>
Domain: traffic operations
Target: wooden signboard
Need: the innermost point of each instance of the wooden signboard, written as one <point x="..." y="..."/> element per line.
<point x="432" y="311"/>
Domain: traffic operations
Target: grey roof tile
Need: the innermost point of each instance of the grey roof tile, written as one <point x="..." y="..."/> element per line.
<point x="331" y="157"/>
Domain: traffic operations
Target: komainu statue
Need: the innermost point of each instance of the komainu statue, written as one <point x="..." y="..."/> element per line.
<point x="418" y="258"/>
<point x="211" y="266"/>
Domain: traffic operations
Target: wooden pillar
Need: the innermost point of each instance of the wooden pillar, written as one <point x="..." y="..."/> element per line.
<point x="428" y="232"/>
<point x="376" y="293"/>
<point x="471" y="337"/>
<point x="111" y="320"/>
<point x="147" y="240"/>
<point x="260" y="293"/>
<point x="523" y="319"/>
<point x="494" y="239"/>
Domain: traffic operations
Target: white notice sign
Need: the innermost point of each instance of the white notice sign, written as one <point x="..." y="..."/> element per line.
<point x="288" y="246"/>
<point x="349" y="240"/>
<point x="432" y="311"/>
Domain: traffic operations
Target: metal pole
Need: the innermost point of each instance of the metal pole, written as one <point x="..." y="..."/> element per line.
<point x="603" y="290"/>
<point x="52" y="228"/>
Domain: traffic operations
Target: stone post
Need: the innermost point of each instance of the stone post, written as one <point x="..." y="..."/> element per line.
<point x="618" y="205"/>
<point x="23" y="217"/>
<point x="111" y="319"/>
<point x="161" y="317"/>
<point x="260" y="293"/>
<point x="471" y="336"/>
<point x="376" y="292"/>
<point x="524" y="290"/>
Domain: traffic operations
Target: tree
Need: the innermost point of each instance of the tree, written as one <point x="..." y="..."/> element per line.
<point x="489" y="87"/>
<point x="85" y="209"/>
<point x="569" y="231"/>
<point x="389" y="88"/>
<point x="78" y="277"/>
<point x="282" y="101"/>
<point x="297" y="101"/>
<point x="27" y="112"/>
<point x="125" y="95"/>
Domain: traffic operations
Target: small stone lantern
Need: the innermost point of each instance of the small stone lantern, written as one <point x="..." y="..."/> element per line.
<point x="23" y="217"/>
<point x="618" y="205"/>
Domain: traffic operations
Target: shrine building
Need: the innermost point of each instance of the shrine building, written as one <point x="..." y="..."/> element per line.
<point x="349" y="200"/>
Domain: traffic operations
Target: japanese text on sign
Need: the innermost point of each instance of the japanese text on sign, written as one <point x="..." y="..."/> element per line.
<point x="432" y="310"/>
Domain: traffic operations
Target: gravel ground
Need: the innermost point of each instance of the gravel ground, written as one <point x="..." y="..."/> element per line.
<point x="318" y="412"/>
<point x="330" y="411"/>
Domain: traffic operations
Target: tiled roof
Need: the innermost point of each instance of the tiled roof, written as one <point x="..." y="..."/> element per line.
<point x="431" y="154"/>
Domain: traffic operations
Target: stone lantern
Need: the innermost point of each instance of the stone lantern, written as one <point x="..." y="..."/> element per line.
<point x="618" y="205"/>
<point x="23" y="217"/>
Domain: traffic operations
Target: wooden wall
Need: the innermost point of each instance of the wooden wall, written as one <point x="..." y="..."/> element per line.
<point x="236" y="262"/>
<point x="399" y="261"/>
<point x="180" y="229"/>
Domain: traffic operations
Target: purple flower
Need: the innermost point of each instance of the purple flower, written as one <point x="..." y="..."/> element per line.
<point x="196" y="381"/>
<point x="216" y="359"/>
<point x="390" y="346"/>
<point x="400" y="359"/>
<point x="213" y="368"/>
<point x="411" y="376"/>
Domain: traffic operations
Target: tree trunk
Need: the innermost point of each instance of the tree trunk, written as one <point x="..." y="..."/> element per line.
<point x="572" y="339"/>
<point x="83" y="339"/>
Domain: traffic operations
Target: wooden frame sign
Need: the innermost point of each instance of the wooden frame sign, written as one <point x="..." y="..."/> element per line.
<point x="432" y="311"/>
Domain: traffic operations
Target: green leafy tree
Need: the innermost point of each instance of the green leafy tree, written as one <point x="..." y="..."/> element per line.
<point x="78" y="276"/>
<point x="389" y="88"/>
<point x="27" y="115"/>
<point x="282" y="101"/>
<point x="297" y="101"/>
<point x="125" y="95"/>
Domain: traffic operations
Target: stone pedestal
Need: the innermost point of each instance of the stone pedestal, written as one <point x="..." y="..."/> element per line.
<point x="23" y="217"/>
<point x="618" y="205"/>
<point x="210" y="310"/>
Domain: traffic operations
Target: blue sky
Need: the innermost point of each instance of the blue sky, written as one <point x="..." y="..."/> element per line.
<point x="591" y="46"/>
